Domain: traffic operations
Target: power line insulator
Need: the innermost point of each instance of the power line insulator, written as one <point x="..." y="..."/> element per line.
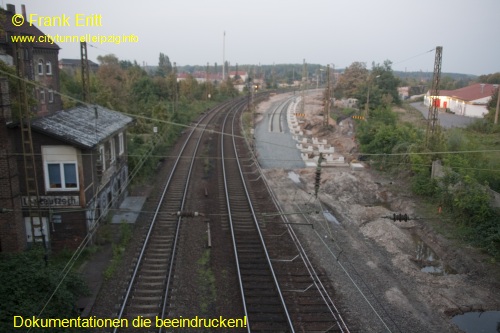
<point x="188" y="214"/>
<point x="400" y="217"/>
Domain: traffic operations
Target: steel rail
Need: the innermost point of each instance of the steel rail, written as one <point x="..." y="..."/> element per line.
<point x="157" y="211"/>
<point x="256" y="224"/>
<point x="303" y="255"/>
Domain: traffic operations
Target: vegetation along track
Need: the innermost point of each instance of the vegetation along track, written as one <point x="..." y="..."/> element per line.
<point x="280" y="290"/>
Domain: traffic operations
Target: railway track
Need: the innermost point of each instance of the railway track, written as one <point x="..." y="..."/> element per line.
<point x="148" y="290"/>
<point x="279" y="290"/>
<point x="278" y="115"/>
<point x="262" y="298"/>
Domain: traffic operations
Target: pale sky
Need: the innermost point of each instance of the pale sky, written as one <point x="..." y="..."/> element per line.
<point x="339" y="32"/>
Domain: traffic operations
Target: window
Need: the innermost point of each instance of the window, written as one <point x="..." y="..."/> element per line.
<point x="60" y="168"/>
<point x="121" y="144"/>
<point x="112" y="150"/>
<point x="51" y="96"/>
<point x="102" y="157"/>
<point x="56" y="218"/>
<point x="40" y="67"/>
<point x="62" y="176"/>
<point x="42" y="96"/>
<point x="48" y="68"/>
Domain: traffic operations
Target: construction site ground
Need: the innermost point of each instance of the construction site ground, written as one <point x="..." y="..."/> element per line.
<point x="389" y="276"/>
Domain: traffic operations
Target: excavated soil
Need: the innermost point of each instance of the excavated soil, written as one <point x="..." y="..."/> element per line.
<point x="380" y="267"/>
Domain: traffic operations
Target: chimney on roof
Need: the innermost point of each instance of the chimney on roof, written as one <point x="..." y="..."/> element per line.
<point x="23" y="11"/>
<point x="482" y="88"/>
<point x="11" y="8"/>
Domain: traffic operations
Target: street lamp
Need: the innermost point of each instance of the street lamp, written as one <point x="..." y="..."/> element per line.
<point x="368" y="97"/>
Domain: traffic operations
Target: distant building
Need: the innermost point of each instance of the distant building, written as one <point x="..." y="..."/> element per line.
<point x="40" y="57"/>
<point x="241" y="75"/>
<point x="200" y="77"/>
<point x="73" y="66"/>
<point x="469" y="101"/>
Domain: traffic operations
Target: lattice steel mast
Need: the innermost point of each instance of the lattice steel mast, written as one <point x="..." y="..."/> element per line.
<point x="432" y="118"/>
<point x="85" y="72"/>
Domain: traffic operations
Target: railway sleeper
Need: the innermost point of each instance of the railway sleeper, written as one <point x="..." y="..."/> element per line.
<point x="152" y="314"/>
<point x="260" y="296"/>
<point x="142" y="291"/>
<point x="155" y="298"/>
<point x="264" y="308"/>
<point x="155" y="271"/>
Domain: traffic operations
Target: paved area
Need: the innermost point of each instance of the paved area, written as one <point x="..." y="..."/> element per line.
<point x="274" y="149"/>
<point x="129" y="210"/>
<point x="447" y="120"/>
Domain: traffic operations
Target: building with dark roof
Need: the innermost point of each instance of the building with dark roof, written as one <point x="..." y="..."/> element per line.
<point x="73" y="66"/>
<point x="81" y="172"/>
<point x="40" y="59"/>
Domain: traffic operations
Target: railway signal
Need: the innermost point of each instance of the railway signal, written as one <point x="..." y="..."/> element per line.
<point x="358" y="117"/>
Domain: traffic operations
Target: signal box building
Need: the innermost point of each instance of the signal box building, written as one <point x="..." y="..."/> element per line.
<point x="81" y="173"/>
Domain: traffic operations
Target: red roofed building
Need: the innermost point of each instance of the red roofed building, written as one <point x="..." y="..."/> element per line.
<point x="41" y="60"/>
<point x="239" y="75"/>
<point x="469" y="101"/>
<point x="200" y="77"/>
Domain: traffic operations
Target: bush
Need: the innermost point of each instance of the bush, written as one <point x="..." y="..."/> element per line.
<point x="26" y="283"/>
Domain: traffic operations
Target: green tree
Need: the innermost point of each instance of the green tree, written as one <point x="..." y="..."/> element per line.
<point x="385" y="91"/>
<point x="111" y="80"/>
<point x="351" y="80"/>
<point x="164" y="66"/>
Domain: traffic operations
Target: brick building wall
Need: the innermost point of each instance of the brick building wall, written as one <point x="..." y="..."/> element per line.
<point x="12" y="230"/>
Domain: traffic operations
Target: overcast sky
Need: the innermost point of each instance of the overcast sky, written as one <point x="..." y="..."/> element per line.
<point x="339" y="32"/>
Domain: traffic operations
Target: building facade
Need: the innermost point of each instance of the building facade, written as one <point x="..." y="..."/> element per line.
<point x="41" y="63"/>
<point x="470" y="101"/>
<point x="80" y="169"/>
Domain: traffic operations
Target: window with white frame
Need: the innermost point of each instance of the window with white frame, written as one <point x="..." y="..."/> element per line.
<point x="62" y="176"/>
<point x="112" y="149"/>
<point x="60" y="168"/>
<point x="40" y="67"/>
<point x="48" y="68"/>
<point x="121" y="144"/>
<point x="51" y="96"/>
<point x="102" y="157"/>
<point x="42" y="96"/>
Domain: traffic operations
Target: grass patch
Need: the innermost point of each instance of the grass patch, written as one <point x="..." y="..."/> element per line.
<point x="119" y="249"/>
<point x="206" y="283"/>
